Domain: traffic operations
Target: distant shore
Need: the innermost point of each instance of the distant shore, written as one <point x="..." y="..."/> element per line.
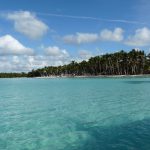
<point x="96" y="76"/>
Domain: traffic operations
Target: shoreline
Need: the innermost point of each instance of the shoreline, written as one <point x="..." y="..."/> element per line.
<point x="98" y="76"/>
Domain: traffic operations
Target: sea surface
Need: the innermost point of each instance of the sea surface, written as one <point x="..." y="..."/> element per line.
<point x="75" y="114"/>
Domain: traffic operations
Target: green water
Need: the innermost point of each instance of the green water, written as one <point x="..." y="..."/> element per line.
<point x="75" y="114"/>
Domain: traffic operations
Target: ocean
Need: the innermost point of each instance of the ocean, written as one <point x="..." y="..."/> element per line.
<point x="75" y="114"/>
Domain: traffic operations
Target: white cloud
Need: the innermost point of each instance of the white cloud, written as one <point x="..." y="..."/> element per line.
<point x="28" y="24"/>
<point x="105" y="35"/>
<point x="12" y="63"/>
<point x="84" y="54"/>
<point x="10" y="46"/>
<point x="80" y="38"/>
<point x="55" y="51"/>
<point x="15" y="62"/>
<point x="40" y="61"/>
<point x="27" y="63"/>
<point x="108" y="35"/>
<point x="140" y="38"/>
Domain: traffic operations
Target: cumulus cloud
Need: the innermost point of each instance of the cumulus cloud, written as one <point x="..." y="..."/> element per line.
<point x="80" y="38"/>
<point x="140" y="38"/>
<point x="40" y="61"/>
<point x="54" y="56"/>
<point x="28" y="24"/>
<point x="16" y="57"/>
<point x="84" y="54"/>
<point x="55" y="51"/>
<point x="27" y="63"/>
<point x="12" y="63"/>
<point x="108" y="35"/>
<point x="10" y="46"/>
<point x="104" y="35"/>
<point x="15" y="60"/>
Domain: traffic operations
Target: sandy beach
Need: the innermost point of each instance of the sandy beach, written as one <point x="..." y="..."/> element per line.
<point x="98" y="76"/>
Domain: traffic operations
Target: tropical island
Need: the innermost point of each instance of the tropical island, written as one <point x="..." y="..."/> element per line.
<point x="134" y="62"/>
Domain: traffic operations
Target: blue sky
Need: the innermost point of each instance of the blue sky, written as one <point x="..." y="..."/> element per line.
<point x="34" y="34"/>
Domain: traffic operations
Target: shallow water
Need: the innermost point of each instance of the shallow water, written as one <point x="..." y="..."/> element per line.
<point x="75" y="114"/>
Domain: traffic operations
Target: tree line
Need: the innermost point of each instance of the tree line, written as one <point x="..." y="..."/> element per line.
<point x="13" y="75"/>
<point x="133" y="62"/>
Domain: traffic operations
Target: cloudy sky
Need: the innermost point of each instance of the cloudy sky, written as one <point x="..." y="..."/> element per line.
<point x="37" y="33"/>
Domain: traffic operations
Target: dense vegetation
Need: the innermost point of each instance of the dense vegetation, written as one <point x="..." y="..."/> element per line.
<point x="13" y="75"/>
<point x="120" y="63"/>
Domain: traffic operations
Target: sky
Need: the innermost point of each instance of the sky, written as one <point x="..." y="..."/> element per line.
<point x="39" y="33"/>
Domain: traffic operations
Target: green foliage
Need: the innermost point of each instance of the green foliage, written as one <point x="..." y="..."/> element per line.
<point x="119" y="63"/>
<point x="13" y="75"/>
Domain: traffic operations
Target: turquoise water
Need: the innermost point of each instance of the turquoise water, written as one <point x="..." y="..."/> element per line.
<point x="75" y="114"/>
